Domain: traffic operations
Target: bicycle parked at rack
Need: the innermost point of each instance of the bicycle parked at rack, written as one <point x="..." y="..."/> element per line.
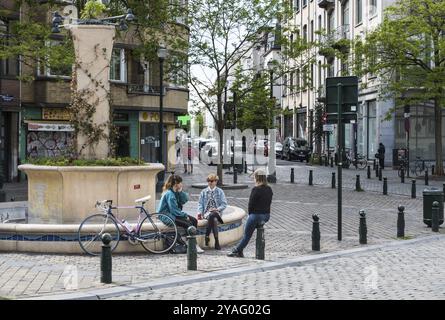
<point x="156" y="232"/>
<point x="360" y="161"/>
<point x="417" y="168"/>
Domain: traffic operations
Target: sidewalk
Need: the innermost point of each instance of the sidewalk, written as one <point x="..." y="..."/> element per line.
<point x="287" y="234"/>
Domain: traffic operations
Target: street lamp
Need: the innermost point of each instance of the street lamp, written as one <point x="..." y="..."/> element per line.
<point x="162" y="54"/>
<point x="272" y="178"/>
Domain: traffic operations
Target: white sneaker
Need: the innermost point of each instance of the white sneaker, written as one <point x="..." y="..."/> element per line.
<point x="199" y="249"/>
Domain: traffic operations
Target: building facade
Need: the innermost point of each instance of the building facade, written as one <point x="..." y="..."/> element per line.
<point x="9" y="98"/>
<point x="38" y="110"/>
<point x="331" y="22"/>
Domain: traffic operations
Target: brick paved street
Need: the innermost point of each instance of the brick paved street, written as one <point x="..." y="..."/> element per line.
<point x="288" y="235"/>
<point x="409" y="272"/>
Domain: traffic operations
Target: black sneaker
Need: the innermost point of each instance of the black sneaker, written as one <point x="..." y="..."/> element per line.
<point x="236" y="253"/>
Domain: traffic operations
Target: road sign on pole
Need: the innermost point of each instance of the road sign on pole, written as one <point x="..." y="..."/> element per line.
<point x="341" y="107"/>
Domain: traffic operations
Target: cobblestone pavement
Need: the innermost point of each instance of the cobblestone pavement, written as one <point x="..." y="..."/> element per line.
<point x="409" y="272"/>
<point x="288" y="234"/>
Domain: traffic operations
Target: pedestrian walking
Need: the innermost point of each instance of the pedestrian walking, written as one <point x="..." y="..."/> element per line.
<point x="211" y="205"/>
<point x="172" y="202"/>
<point x="381" y="153"/>
<point x="258" y="208"/>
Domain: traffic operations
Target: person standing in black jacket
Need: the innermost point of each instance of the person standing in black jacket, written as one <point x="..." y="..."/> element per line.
<point x="381" y="153"/>
<point x="259" y="210"/>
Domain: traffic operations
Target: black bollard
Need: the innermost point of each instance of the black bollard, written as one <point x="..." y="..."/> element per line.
<point x="192" y="255"/>
<point x="380" y="174"/>
<point x="292" y="177"/>
<point x="385" y="186"/>
<point x="245" y="166"/>
<point x="369" y="172"/>
<point x="435" y="217"/>
<point x="413" y="189"/>
<point x="362" y="228"/>
<point x="443" y="188"/>
<point x="235" y="175"/>
<point x="373" y="164"/>
<point x="426" y="176"/>
<point x="432" y="169"/>
<point x="310" y="178"/>
<point x="357" y="183"/>
<point x="333" y="180"/>
<point x="402" y="175"/>
<point x="105" y="259"/>
<point x="326" y="161"/>
<point x="332" y="162"/>
<point x="260" y="242"/>
<point x="377" y="171"/>
<point x="315" y="233"/>
<point x="401" y="222"/>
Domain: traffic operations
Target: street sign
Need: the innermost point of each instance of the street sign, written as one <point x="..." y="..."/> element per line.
<point x="328" y="127"/>
<point x="349" y="94"/>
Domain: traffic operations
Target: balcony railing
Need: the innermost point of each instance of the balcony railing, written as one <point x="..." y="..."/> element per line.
<point x="342" y="32"/>
<point x="325" y="3"/>
<point x="144" y="89"/>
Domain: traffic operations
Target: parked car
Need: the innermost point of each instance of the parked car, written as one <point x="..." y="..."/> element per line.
<point x="296" y="148"/>
<point x="278" y="149"/>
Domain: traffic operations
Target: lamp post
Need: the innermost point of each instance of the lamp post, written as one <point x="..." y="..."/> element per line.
<point x="162" y="54"/>
<point x="272" y="178"/>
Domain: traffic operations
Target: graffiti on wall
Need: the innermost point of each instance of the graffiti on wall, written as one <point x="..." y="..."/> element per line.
<point x="48" y="143"/>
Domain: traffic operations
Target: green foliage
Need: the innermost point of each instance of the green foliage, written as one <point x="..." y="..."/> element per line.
<point x="93" y="10"/>
<point x="63" y="161"/>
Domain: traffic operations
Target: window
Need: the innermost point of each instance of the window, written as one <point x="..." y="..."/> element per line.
<point x="305" y="34"/>
<point x="45" y="70"/>
<point x="312" y="75"/>
<point x="305" y="77"/>
<point x="9" y="66"/>
<point x="319" y="26"/>
<point x="330" y="25"/>
<point x="312" y="30"/>
<point x="291" y="82"/>
<point x="345" y="13"/>
<point x="297" y="79"/>
<point x="297" y="5"/>
<point x="118" y="65"/>
<point x="319" y="74"/>
<point x="359" y="10"/>
<point x="304" y="3"/>
<point x="285" y="85"/>
<point x="178" y="71"/>
<point x="372" y="7"/>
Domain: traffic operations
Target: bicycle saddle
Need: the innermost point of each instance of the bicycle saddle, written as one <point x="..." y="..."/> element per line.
<point x="144" y="199"/>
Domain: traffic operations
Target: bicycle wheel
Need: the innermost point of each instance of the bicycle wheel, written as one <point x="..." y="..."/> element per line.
<point x="91" y="230"/>
<point x="362" y="163"/>
<point x="157" y="233"/>
<point x="418" y="169"/>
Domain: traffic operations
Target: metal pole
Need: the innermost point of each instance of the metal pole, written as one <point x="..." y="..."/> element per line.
<point x="192" y="256"/>
<point x="315" y="233"/>
<point x="105" y="259"/>
<point x="161" y="174"/>
<point x="340" y="160"/>
<point x="363" y="230"/>
<point x="401" y="222"/>
<point x="260" y="242"/>
<point x="435" y="217"/>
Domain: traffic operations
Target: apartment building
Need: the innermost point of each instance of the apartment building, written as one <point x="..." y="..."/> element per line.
<point x="39" y="110"/>
<point x="9" y="98"/>
<point x="337" y="20"/>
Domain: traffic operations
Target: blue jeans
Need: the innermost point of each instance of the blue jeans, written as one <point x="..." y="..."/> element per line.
<point x="252" y="222"/>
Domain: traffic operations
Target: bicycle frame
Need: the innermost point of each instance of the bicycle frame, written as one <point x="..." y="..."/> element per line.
<point x="142" y="214"/>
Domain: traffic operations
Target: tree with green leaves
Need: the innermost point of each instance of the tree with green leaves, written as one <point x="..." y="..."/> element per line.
<point x="407" y="53"/>
<point x="222" y="33"/>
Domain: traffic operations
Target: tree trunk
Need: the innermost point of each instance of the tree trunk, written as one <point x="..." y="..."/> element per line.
<point x="220" y="125"/>
<point x="438" y="136"/>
